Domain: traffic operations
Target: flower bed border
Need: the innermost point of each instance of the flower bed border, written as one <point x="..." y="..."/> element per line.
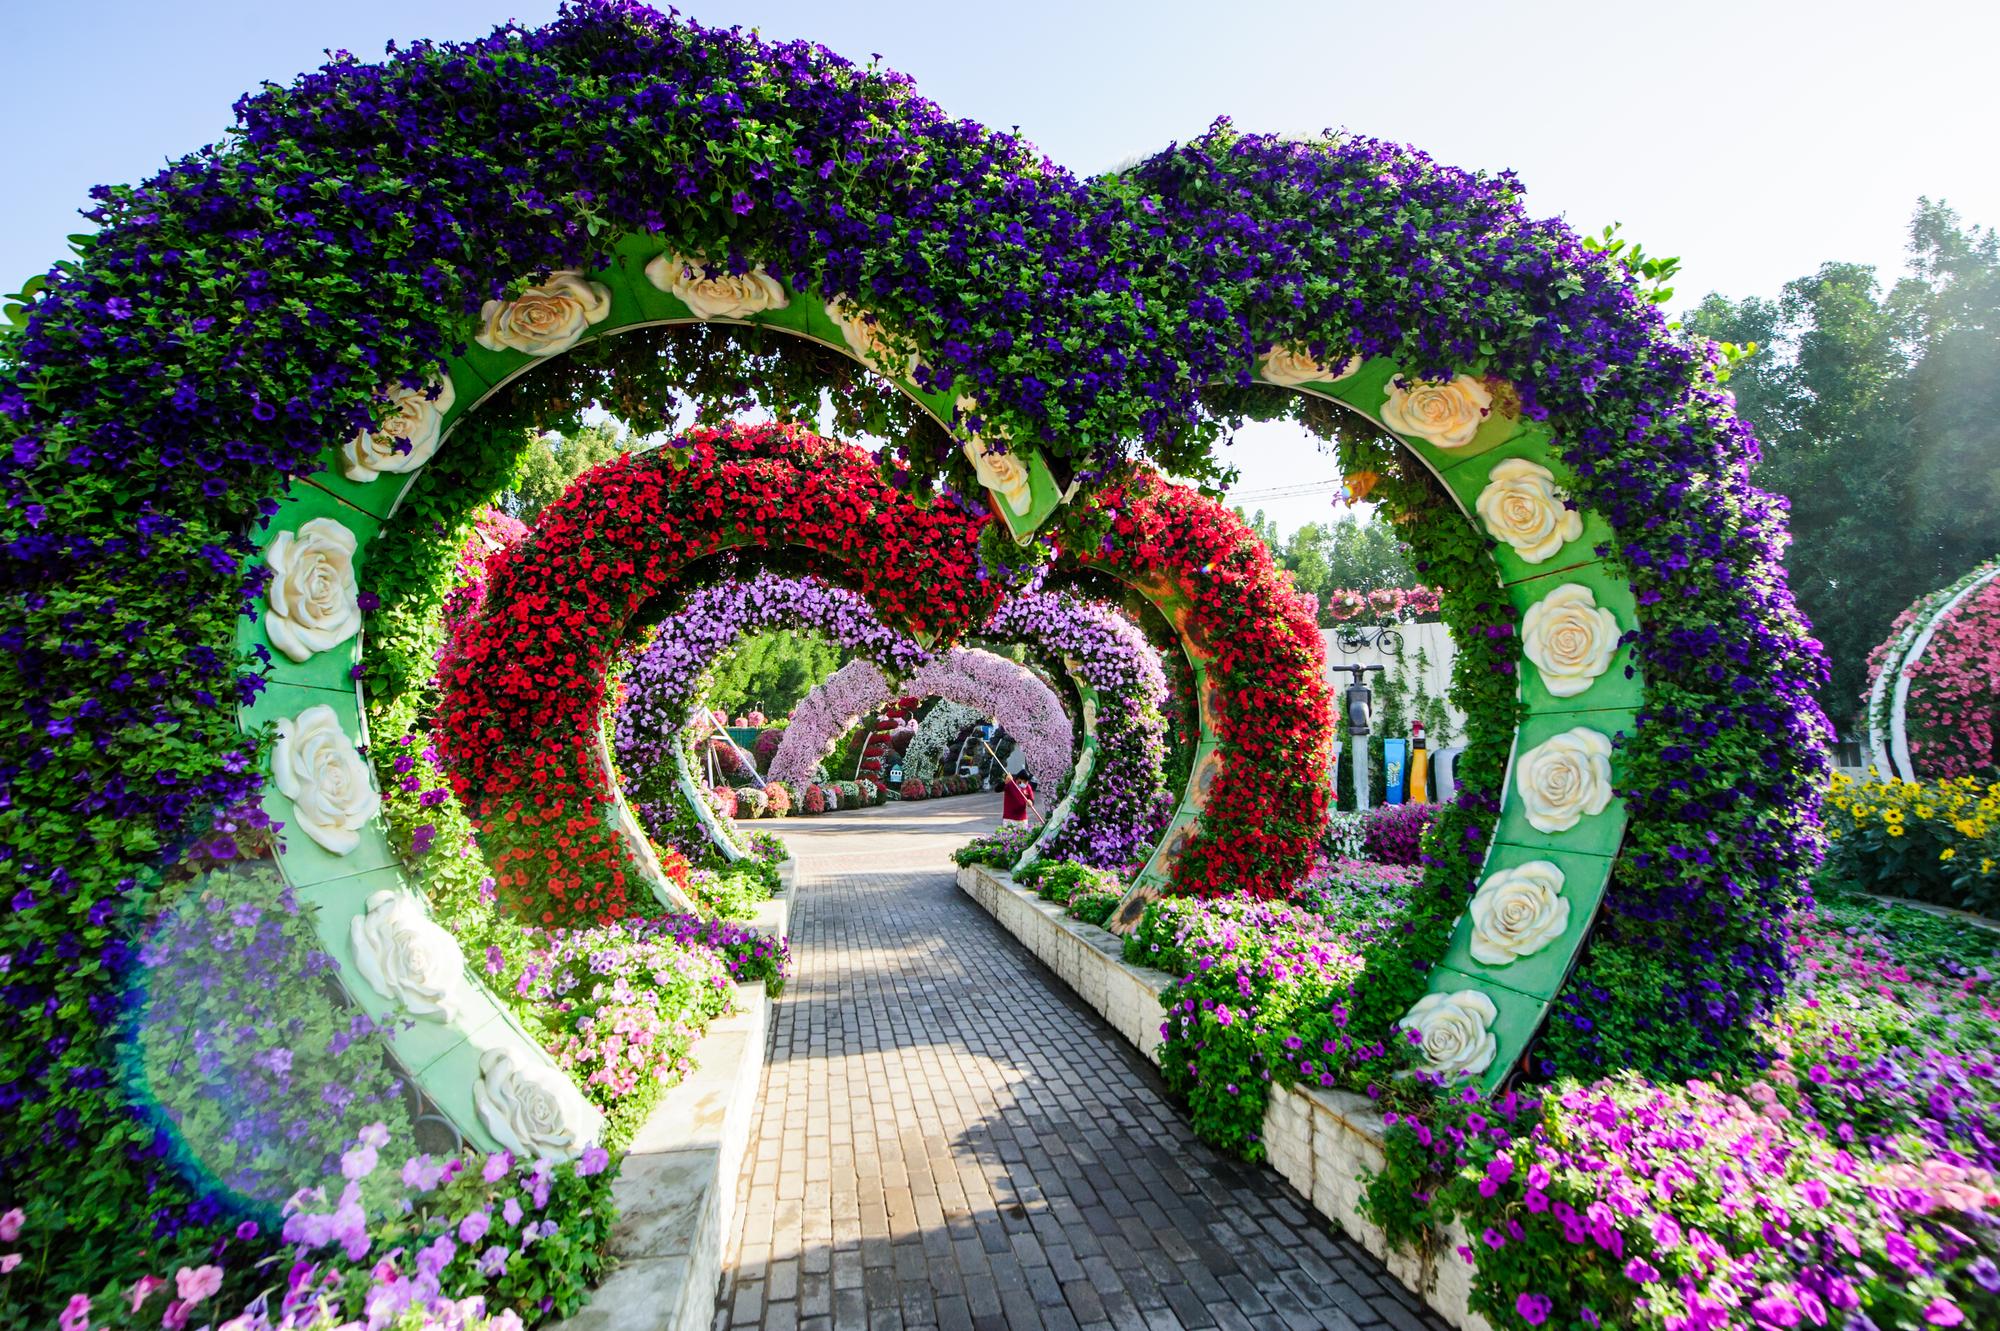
<point x="676" y="1187"/>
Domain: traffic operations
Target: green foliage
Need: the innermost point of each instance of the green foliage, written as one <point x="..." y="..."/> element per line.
<point x="735" y="892"/>
<point x="1653" y="273"/>
<point x="770" y="672"/>
<point x="554" y="459"/>
<point x="1432" y="711"/>
<point x="1094" y="907"/>
<point x="670" y="377"/>
<point x="1063" y="881"/>
<point x="1354" y="552"/>
<point x="999" y="848"/>
<point x="1876" y="415"/>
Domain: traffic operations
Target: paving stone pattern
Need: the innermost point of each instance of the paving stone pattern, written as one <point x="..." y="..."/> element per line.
<point x="947" y="1138"/>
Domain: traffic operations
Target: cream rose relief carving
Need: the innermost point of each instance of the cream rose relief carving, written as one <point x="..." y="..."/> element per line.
<point x="1517" y="912"/>
<point x="313" y="602"/>
<point x="532" y="1109"/>
<point x="1570" y="639"/>
<point x="866" y="338"/>
<point x="1522" y="506"/>
<point x="1565" y="779"/>
<point x="319" y="770"/>
<point x="1446" y="414"/>
<point x="408" y="957"/>
<point x="1455" y="1032"/>
<point x="546" y="319"/>
<point x="1005" y="474"/>
<point x="407" y="436"/>
<point x="1290" y="366"/>
<point x="724" y="296"/>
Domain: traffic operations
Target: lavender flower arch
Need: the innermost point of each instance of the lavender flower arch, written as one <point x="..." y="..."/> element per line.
<point x="824" y="715"/>
<point x="662" y="685"/>
<point x="1117" y="810"/>
<point x="663" y="682"/>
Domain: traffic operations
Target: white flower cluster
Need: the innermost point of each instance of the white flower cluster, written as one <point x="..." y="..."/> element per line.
<point x="939" y="729"/>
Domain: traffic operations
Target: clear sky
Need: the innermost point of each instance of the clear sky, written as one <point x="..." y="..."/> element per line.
<point x="1753" y="139"/>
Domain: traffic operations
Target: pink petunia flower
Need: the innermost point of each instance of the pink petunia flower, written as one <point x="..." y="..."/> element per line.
<point x="142" y="1289"/>
<point x="197" y="1283"/>
<point x="75" y="1317"/>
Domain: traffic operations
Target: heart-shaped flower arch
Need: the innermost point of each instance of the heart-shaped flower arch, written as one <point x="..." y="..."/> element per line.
<point x="525" y="673"/>
<point x="660" y="686"/>
<point x="210" y="375"/>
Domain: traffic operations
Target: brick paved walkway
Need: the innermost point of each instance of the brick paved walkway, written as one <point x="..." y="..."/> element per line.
<point x="948" y="1139"/>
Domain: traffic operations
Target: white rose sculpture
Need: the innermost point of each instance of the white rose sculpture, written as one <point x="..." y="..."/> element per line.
<point x="533" y="1110"/>
<point x="407" y="436"/>
<point x="1456" y="1030"/>
<point x="1522" y="506"/>
<point x="408" y="957"/>
<point x="1570" y="638"/>
<point x="864" y="337"/>
<point x="1447" y="414"/>
<point x="1005" y="474"/>
<point x="724" y="296"/>
<point x="1565" y="778"/>
<point x="545" y="320"/>
<point x="1291" y="366"/>
<point x="313" y="602"/>
<point x="319" y="770"/>
<point x="1517" y="912"/>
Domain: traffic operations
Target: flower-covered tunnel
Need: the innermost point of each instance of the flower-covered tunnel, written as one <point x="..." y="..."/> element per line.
<point x="249" y="426"/>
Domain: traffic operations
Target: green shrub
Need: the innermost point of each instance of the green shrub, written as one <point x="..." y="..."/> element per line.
<point x="1094" y="907"/>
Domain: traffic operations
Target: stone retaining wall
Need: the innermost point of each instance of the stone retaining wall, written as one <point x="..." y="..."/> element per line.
<point x="676" y="1189"/>
<point x="1322" y="1142"/>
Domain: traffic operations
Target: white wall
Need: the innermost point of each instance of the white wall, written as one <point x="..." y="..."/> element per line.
<point x="1433" y="639"/>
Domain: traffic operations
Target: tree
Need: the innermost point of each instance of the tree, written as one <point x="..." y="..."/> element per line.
<point x="555" y="460"/>
<point x="1353" y="552"/>
<point x="1363" y="555"/>
<point x="1877" y="418"/>
<point x="770" y="672"/>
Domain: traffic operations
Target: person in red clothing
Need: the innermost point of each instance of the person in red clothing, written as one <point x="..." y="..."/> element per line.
<point x="1017" y="797"/>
